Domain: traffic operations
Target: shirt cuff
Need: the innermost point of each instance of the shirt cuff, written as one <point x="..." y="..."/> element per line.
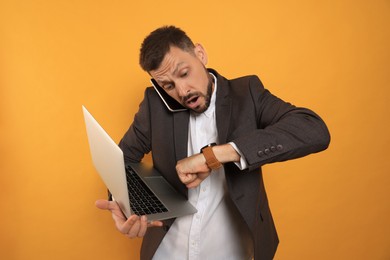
<point x="242" y="165"/>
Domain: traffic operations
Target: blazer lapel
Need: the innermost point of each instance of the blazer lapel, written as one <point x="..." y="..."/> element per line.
<point x="223" y="109"/>
<point x="180" y="133"/>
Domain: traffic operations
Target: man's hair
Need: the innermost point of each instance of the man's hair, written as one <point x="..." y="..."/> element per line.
<point x="159" y="42"/>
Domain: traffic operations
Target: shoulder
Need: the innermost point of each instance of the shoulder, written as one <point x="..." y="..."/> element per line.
<point x="249" y="80"/>
<point x="150" y="92"/>
<point x="242" y="81"/>
<point x="151" y="96"/>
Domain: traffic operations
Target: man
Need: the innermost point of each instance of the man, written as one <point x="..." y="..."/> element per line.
<point x="250" y="126"/>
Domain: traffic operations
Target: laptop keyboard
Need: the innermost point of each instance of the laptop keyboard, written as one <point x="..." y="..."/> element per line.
<point x="142" y="199"/>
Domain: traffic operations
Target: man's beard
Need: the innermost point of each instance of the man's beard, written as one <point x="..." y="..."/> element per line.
<point x="207" y="97"/>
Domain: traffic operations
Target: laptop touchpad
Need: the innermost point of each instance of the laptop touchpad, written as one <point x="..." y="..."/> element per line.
<point x="159" y="185"/>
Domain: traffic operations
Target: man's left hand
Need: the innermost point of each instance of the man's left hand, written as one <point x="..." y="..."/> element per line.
<point x="193" y="170"/>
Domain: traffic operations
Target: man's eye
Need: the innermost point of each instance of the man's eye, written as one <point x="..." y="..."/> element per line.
<point x="184" y="74"/>
<point x="168" y="86"/>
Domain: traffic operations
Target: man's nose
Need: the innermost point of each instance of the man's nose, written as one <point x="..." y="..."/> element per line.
<point x="182" y="89"/>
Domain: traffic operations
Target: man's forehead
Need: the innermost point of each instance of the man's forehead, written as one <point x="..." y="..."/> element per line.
<point x="173" y="61"/>
<point x="166" y="71"/>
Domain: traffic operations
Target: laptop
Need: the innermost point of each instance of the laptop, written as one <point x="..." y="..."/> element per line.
<point x="137" y="188"/>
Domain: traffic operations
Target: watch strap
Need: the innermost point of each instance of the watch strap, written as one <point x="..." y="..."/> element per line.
<point x="211" y="161"/>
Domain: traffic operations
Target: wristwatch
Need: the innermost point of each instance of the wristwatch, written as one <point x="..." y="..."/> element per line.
<point x="211" y="161"/>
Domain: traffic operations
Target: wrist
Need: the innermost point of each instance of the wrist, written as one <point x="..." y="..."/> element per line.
<point x="222" y="153"/>
<point x="211" y="160"/>
<point x="226" y="153"/>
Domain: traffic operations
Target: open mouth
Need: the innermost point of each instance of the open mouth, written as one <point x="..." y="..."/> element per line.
<point x="192" y="100"/>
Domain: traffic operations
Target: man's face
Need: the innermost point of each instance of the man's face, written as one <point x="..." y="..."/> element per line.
<point x="184" y="77"/>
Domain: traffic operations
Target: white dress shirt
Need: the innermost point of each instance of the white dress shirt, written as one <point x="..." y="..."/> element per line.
<point x="216" y="231"/>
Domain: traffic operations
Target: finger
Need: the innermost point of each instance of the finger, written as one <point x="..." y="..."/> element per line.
<point x="187" y="178"/>
<point x="143" y="226"/>
<point x="194" y="184"/>
<point x="126" y="227"/>
<point x="107" y="205"/>
<point x="135" y="229"/>
<point x="113" y="207"/>
<point x="204" y="175"/>
<point x="155" y="224"/>
<point x="102" y="204"/>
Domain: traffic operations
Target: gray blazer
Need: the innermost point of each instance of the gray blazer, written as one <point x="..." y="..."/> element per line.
<point x="264" y="128"/>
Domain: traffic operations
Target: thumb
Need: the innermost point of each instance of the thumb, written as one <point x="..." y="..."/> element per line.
<point x="102" y="204"/>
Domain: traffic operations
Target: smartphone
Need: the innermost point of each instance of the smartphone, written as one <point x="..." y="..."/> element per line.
<point x="169" y="102"/>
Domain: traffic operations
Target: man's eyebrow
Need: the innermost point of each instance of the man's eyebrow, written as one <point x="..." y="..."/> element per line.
<point x="162" y="82"/>
<point x="177" y="67"/>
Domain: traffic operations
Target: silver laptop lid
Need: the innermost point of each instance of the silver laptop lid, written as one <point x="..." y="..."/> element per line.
<point x="108" y="160"/>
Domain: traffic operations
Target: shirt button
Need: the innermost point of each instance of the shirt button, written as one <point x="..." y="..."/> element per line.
<point x="273" y="148"/>
<point x="260" y="153"/>
<point x="267" y="151"/>
<point x="279" y="147"/>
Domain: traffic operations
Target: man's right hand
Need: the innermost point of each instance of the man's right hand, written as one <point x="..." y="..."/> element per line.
<point x="132" y="227"/>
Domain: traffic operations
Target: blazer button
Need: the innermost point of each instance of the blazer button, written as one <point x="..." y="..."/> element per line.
<point x="260" y="153"/>
<point x="279" y="147"/>
<point x="273" y="148"/>
<point x="267" y="151"/>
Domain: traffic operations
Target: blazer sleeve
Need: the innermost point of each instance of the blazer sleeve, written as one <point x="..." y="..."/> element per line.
<point x="137" y="140"/>
<point x="283" y="131"/>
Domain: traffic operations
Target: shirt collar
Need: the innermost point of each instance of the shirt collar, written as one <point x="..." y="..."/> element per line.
<point x="211" y="109"/>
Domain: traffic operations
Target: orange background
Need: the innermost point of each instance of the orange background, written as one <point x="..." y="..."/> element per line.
<point x="331" y="56"/>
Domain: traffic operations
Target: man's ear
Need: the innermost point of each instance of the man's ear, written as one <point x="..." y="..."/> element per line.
<point x="201" y="53"/>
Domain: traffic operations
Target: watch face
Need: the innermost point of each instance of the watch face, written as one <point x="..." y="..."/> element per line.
<point x="210" y="144"/>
